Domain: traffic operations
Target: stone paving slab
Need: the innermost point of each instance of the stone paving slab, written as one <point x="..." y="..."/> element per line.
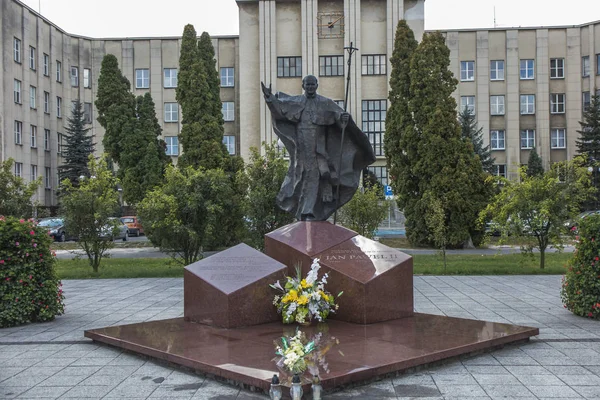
<point x="54" y="361"/>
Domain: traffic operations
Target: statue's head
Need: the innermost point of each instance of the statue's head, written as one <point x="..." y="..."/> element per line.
<point x="310" y="85"/>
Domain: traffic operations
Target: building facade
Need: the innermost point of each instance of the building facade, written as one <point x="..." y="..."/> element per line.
<point x="527" y="86"/>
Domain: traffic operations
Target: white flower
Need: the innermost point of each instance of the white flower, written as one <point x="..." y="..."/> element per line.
<point x="312" y="276"/>
<point x="292" y="307"/>
<point x="278" y="285"/>
<point x="275" y="300"/>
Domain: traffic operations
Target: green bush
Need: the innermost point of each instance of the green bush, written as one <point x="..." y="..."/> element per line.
<point x="29" y="288"/>
<point x="581" y="284"/>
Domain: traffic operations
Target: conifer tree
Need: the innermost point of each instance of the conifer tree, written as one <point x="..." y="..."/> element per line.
<point x="472" y="132"/>
<point x="399" y="125"/>
<point x="444" y="164"/>
<point x="535" y="167"/>
<point x="77" y="147"/>
<point x="589" y="140"/>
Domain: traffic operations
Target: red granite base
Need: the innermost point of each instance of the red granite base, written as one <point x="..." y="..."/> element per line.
<point x="245" y="355"/>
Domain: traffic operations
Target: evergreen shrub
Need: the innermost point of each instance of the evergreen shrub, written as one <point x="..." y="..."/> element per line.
<point x="580" y="291"/>
<point x="29" y="288"/>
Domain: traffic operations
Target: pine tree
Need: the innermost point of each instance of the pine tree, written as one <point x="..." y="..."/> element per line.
<point x="472" y="132"/>
<point x="399" y="125"/>
<point x="115" y="105"/>
<point x="589" y="140"/>
<point x="535" y="167"/>
<point x="77" y="147"/>
<point x="444" y="164"/>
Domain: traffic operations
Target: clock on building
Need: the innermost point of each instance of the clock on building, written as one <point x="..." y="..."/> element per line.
<point x="330" y="25"/>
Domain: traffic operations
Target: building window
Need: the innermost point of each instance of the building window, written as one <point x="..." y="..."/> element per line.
<point x="32" y="58"/>
<point x="467" y="70"/>
<point x="170" y="77"/>
<point x="228" y="111"/>
<point x="227" y="78"/>
<point x="32" y="96"/>
<point x="497" y="140"/>
<point x="374" y="64"/>
<point x="47" y="178"/>
<point x="33" y="135"/>
<point x="527" y="69"/>
<point x="74" y="76"/>
<point x="18" y="132"/>
<point x="46" y="65"/>
<point x="172" y="145"/>
<point x="59" y="142"/>
<point x="527" y="139"/>
<point x="47" y="102"/>
<point x="497" y="105"/>
<point x="381" y="173"/>
<point x="229" y="142"/>
<point x="527" y="104"/>
<point x="17" y="91"/>
<point x="142" y="78"/>
<point x="171" y="112"/>
<point x="33" y="171"/>
<point x="585" y="66"/>
<point x="597" y="64"/>
<point x="87" y="78"/>
<point x="87" y="113"/>
<point x="497" y="70"/>
<point x="17" y="50"/>
<point x="289" y="67"/>
<point x="557" y="103"/>
<point x="557" y="68"/>
<point x="557" y="138"/>
<point x="340" y="103"/>
<point x="586" y="101"/>
<point x="331" y="65"/>
<point x="47" y="139"/>
<point x="500" y="170"/>
<point x="58" y="71"/>
<point x="467" y="102"/>
<point x="373" y="122"/>
<point x="19" y="169"/>
<point x="58" y="107"/>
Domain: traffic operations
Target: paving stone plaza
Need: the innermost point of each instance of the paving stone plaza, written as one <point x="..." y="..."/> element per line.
<point x="54" y="360"/>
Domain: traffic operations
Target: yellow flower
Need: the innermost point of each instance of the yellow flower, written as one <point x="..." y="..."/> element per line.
<point x="285" y="299"/>
<point x="292" y="295"/>
<point x="303" y="299"/>
<point x="304" y="284"/>
<point x="324" y="296"/>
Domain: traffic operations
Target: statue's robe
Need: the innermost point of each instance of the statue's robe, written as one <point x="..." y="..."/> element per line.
<point x="311" y="132"/>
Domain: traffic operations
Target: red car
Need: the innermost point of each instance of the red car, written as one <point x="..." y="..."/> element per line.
<point x="134" y="224"/>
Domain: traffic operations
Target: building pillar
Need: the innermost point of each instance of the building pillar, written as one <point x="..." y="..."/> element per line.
<point x="542" y="112"/>
<point x="512" y="131"/>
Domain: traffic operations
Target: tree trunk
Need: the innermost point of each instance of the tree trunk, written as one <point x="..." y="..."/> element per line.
<point x="542" y="257"/>
<point x="444" y="254"/>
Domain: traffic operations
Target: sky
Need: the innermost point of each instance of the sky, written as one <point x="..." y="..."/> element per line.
<point x="140" y="18"/>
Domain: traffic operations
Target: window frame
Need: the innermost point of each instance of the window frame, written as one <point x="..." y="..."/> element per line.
<point x="585" y="66"/>
<point x="74" y="76"/>
<point x="555" y="103"/>
<point x="497" y="140"/>
<point x="558" y="131"/>
<point x="471" y="107"/>
<point x="496" y="70"/>
<point x="170" y="78"/>
<point x="18" y="128"/>
<point x="47" y="139"/>
<point x="142" y="78"/>
<point x="19" y="169"/>
<point x="555" y="69"/>
<point x="59" y="71"/>
<point x="598" y="64"/>
<point x="33" y="97"/>
<point x="227" y="142"/>
<point x="368" y="61"/>
<point x="323" y="65"/>
<point x="526" y="69"/>
<point x="87" y="78"/>
<point x="169" y="112"/>
<point x="497" y="112"/>
<point x="33" y="173"/>
<point x="47" y="178"/>
<point x="228" y="111"/>
<point x="528" y="133"/>
<point x="527" y="104"/>
<point x="18" y="91"/>
<point x="583" y="102"/>
<point x="32" y="58"/>
<point x="88" y="110"/>
<point x="378" y="171"/>
<point x="33" y="136"/>
<point x="224" y="77"/>
<point x="169" y="145"/>
<point x="59" y="143"/>
<point x="370" y="122"/>
<point x="297" y="68"/>
<point x="17" y="49"/>
<point x="497" y="168"/>
<point x="46" y="64"/>
<point x="58" y="107"/>
<point x="464" y="68"/>
<point x="46" y="102"/>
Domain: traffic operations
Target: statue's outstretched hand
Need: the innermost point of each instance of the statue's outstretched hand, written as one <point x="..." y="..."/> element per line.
<point x="344" y="118"/>
<point x="266" y="90"/>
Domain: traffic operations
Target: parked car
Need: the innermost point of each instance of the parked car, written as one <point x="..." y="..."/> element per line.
<point x="107" y="232"/>
<point x="134" y="224"/>
<point x="56" y="228"/>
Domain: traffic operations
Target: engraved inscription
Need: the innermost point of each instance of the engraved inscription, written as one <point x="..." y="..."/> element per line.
<point x="353" y="255"/>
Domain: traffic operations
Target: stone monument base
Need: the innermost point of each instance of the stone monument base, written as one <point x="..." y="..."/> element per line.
<point x="245" y="355"/>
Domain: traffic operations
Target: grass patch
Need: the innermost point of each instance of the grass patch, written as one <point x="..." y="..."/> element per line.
<point x="497" y="264"/>
<point x="424" y="264"/>
<point x="119" y="244"/>
<point x="112" y="268"/>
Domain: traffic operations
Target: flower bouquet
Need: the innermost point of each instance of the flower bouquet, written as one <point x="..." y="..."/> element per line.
<point x="293" y="352"/>
<point x="303" y="300"/>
